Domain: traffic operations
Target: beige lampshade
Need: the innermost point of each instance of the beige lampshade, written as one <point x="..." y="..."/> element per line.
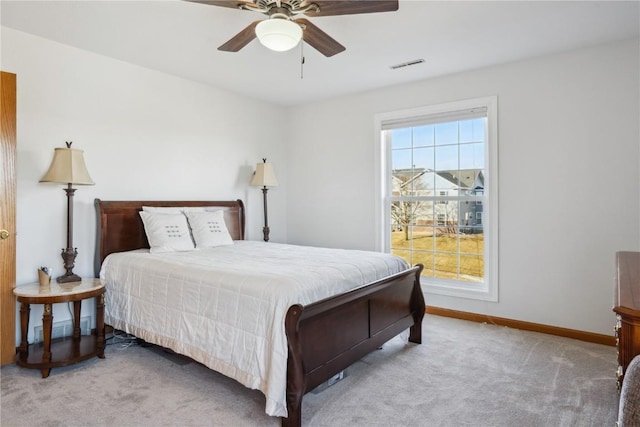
<point x="68" y="167"/>
<point x="264" y="176"/>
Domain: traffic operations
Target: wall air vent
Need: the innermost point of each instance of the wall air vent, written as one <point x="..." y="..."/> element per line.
<point x="407" y="64"/>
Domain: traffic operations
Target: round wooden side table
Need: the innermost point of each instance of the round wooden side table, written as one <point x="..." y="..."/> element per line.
<point x="67" y="350"/>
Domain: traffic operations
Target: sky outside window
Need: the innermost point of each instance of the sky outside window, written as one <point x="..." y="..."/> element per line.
<point x="441" y="147"/>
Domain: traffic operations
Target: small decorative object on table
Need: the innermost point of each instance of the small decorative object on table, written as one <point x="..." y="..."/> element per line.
<point x="44" y="276"/>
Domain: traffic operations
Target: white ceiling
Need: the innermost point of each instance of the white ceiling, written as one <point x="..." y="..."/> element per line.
<point x="181" y="38"/>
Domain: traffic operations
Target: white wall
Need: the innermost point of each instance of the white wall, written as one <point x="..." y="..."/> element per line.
<point x="568" y="158"/>
<point x="145" y="135"/>
<point x="568" y="177"/>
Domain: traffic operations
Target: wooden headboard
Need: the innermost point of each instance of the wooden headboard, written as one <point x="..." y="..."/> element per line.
<point x="120" y="228"/>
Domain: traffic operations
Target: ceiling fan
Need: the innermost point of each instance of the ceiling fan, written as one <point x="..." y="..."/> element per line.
<point x="283" y="29"/>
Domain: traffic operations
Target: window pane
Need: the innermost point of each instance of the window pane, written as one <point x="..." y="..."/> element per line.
<point x="401" y="237"/>
<point x="446" y="242"/>
<point x="471" y="268"/>
<point x="401" y="159"/>
<point x="446" y="133"/>
<point x="446" y="158"/>
<point x="472" y="130"/>
<point x="424" y="214"/>
<point x="403" y="254"/>
<point x="471" y="181"/>
<point x="396" y="227"/>
<point x="472" y="244"/>
<point x="422" y="237"/>
<point x="400" y="138"/>
<point x="402" y="181"/>
<point x="446" y="265"/>
<point x="427" y="260"/>
<point x="472" y="156"/>
<point x="468" y="215"/>
<point x="423" y="158"/>
<point x="423" y="136"/>
<point x="425" y="184"/>
<point x="447" y="215"/>
<point x="404" y="213"/>
<point x="479" y="129"/>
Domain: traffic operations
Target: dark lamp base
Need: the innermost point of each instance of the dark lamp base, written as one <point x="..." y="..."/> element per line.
<point x="69" y="278"/>
<point x="69" y="256"/>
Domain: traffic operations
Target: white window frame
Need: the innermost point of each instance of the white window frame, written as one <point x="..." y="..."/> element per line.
<point x="486" y="290"/>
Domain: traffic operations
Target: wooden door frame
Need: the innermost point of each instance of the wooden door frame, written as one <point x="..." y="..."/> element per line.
<point x="7" y="217"/>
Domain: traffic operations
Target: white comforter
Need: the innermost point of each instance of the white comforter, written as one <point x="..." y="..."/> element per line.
<point x="225" y="306"/>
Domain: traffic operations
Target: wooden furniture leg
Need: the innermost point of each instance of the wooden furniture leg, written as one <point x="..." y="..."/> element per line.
<point x="417" y="307"/>
<point x="100" y="325"/>
<point x="24" y="329"/>
<point x="295" y="369"/>
<point x="76" y="319"/>
<point x="47" y="323"/>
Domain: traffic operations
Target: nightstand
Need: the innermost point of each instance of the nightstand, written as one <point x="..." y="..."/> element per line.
<point x="62" y="351"/>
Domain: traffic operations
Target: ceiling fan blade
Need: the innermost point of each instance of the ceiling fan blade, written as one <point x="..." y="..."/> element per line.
<point x="350" y="7"/>
<point x="235" y="4"/>
<point x="241" y="39"/>
<point x="318" y="39"/>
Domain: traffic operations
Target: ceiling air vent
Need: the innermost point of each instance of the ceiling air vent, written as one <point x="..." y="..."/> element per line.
<point x="407" y="64"/>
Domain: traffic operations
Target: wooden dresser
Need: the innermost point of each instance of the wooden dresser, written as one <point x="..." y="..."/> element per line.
<point x="626" y="305"/>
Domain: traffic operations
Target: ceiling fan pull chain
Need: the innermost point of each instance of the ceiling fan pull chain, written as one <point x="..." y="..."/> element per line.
<point x="301" y="59"/>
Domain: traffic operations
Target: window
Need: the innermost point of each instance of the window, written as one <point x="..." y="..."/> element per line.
<point x="438" y="194"/>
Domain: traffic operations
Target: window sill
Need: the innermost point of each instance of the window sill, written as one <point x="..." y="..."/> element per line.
<point x="476" y="291"/>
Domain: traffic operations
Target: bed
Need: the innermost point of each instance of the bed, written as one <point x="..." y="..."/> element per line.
<point x="324" y="332"/>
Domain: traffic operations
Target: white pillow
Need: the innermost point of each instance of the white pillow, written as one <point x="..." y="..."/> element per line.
<point x="172" y="209"/>
<point x="167" y="232"/>
<point x="209" y="229"/>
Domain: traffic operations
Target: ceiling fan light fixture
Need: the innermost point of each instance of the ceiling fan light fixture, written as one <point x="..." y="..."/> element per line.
<point x="278" y="34"/>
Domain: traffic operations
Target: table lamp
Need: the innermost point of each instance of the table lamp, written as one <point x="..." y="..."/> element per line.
<point x="67" y="167"/>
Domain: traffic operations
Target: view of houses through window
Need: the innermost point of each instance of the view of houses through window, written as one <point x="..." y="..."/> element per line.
<point x="436" y="199"/>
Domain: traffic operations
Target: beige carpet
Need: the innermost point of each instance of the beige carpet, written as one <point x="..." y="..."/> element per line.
<point x="464" y="374"/>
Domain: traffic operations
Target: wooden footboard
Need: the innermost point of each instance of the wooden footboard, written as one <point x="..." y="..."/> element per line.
<point x="329" y="335"/>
